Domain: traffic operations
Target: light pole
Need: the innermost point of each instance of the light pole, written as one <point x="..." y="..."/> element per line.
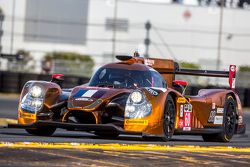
<point x="219" y="35"/>
<point x="114" y="30"/>
<point x="1" y="29"/>
<point x="147" y="39"/>
<point x="12" y="26"/>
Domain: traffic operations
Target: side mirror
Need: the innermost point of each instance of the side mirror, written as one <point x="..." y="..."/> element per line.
<point x="182" y="84"/>
<point x="58" y="79"/>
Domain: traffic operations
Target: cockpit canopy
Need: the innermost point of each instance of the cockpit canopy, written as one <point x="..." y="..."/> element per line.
<point x="125" y="78"/>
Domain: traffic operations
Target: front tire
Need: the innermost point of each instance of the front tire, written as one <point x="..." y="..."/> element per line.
<point x="42" y="131"/>
<point x="229" y="123"/>
<point x="168" y="119"/>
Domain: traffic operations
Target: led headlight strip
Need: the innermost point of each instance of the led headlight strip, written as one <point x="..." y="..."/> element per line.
<point x="137" y="105"/>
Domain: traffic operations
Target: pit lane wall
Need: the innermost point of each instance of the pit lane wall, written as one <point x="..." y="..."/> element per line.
<point x="13" y="82"/>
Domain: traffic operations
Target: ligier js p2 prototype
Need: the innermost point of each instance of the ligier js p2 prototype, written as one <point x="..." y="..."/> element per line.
<point x="133" y="96"/>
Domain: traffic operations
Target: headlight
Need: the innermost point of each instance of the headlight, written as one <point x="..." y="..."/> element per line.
<point x="33" y="100"/>
<point x="137" y="105"/>
<point x="136" y="97"/>
<point x="36" y="91"/>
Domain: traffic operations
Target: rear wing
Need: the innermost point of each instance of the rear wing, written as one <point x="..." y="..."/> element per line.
<point x="230" y="74"/>
<point x="175" y="70"/>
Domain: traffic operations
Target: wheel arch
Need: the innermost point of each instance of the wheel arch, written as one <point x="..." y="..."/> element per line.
<point x="173" y="95"/>
<point x="237" y="101"/>
<point x="240" y="126"/>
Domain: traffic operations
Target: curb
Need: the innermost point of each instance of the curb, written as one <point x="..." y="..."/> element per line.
<point x="6" y="121"/>
<point x="128" y="147"/>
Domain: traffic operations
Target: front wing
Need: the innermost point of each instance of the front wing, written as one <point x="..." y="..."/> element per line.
<point x="111" y="128"/>
<point x="75" y="127"/>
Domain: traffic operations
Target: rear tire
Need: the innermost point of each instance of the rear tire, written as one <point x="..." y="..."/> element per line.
<point x="168" y="119"/>
<point x="42" y="131"/>
<point x="229" y="123"/>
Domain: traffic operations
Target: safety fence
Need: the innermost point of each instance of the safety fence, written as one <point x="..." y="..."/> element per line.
<point x="13" y="82"/>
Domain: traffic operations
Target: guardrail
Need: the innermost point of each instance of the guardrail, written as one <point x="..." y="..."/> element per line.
<point x="11" y="82"/>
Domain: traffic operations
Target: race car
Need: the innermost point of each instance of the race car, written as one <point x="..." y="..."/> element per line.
<point x="133" y="96"/>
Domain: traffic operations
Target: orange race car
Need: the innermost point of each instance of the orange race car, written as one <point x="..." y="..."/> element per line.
<point x="133" y="96"/>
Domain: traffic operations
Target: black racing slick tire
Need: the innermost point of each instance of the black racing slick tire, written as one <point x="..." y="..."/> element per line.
<point x="229" y="123"/>
<point x="168" y="119"/>
<point x="42" y="131"/>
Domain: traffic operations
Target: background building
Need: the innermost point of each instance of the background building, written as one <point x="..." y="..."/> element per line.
<point x="184" y="32"/>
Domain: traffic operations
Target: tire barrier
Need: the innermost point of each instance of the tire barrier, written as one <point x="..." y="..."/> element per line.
<point x="23" y="78"/>
<point x="241" y="93"/>
<point x="10" y="82"/>
<point x="246" y="98"/>
<point x="13" y="82"/>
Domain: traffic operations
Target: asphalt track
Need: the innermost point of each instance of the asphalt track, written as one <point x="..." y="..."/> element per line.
<point x="66" y="148"/>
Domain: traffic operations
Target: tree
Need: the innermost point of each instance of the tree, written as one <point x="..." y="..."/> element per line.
<point x="69" y="63"/>
<point x="244" y="68"/>
<point x="189" y="65"/>
<point x="23" y="62"/>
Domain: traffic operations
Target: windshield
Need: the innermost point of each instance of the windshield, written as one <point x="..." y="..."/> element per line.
<point x="123" y="78"/>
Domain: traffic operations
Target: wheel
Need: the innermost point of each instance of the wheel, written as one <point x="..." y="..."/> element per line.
<point x="229" y="123"/>
<point x="42" y="131"/>
<point x="107" y="135"/>
<point x="168" y="119"/>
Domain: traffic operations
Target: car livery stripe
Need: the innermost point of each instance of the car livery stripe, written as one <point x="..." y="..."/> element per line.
<point x="86" y="93"/>
<point x="80" y="93"/>
<point x="89" y="93"/>
<point x="98" y="94"/>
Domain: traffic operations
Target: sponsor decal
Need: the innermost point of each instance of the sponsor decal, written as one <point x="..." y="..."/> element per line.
<point x="240" y="120"/>
<point x="83" y="99"/>
<point x="181" y="110"/>
<point x="220" y="110"/>
<point x="233" y="68"/>
<point x="186" y="128"/>
<point x="187" y="107"/>
<point x="187" y="120"/>
<point x="28" y="116"/>
<point x="181" y="100"/>
<point x="136" y="122"/>
<point x="211" y="116"/>
<point x="149" y="62"/>
<point x="232" y="71"/>
<point x="218" y="120"/>
<point x="152" y="92"/>
<point x="180" y="123"/>
<point x="233" y="82"/>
